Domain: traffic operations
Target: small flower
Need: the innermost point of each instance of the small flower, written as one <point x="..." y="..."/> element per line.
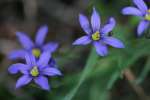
<point x="98" y="35"/>
<point x="35" y="70"/>
<point x="141" y="11"/>
<point x="35" y="48"/>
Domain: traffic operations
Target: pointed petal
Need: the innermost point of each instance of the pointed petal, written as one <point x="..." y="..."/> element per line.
<point x="101" y="49"/>
<point x="84" y="24"/>
<point x="84" y="40"/>
<point x="142" y="27"/>
<point x="109" y="27"/>
<point x="30" y="59"/>
<point x="44" y="59"/>
<point x="41" y="34"/>
<point x="51" y="47"/>
<point x="23" y="81"/>
<point x="50" y="71"/>
<point x="42" y="82"/>
<point x="141" y="5"/>
<point x="16" y="54"/>
<point x="15" y="68"/>
<point x="95" y="20"/>
<point x="25" y="41"/>
<point x="132" y="11"/>
<point x="113" y="42"/>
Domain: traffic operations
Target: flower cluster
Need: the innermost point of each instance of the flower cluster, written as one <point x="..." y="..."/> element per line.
<point x="141" y="11"/>
<point x="38" y="60"/>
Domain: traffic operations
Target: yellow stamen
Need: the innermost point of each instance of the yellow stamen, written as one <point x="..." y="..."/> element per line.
<point x="147" y="16"/>
<point x="36" y="52"/>
<point x="96" y="36"/>
<point x="34" y="72"/>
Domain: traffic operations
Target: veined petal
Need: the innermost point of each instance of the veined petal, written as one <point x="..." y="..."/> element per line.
<point x="101" y="48"/>
<point x="84" y="23"/>
<point x="42" y="82"/>
<point x="44" y="59"/>
<point x="142" y="26"/>
<point x="51" y="71"/>
<point x="30" y="59"/>
<point x="132" y="11"/>
<point x="16" y="54"/>
<point x="41" y="34"/>
<point x="25" y="41"/>
<point x="51" y="46"/>
<point x="109" y="27"/>
<point x="84" y="40"/>
<point x="95" y="20"/>
<point x="141" y="5"/>
<point x="25" y="79"/>
<point x="15" y="68"/>
<point x="113" y="42"/>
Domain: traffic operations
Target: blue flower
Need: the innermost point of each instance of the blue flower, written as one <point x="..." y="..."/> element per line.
<point x="36" y="70"/>
<point x="98" y="35"/>
<point x="35" y="48"/>
<point x="141" y="11"/>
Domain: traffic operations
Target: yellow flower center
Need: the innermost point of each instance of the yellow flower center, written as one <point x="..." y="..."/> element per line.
<point x="36" y="52"/>
<point x="96" y="36"/>
<point x="34" y="72"/>
<point x="147" y="16"/>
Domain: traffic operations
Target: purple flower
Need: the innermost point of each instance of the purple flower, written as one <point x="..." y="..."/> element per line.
<point x="35" y="48"/>
<point x="141" y="11"/>
<point x="35" y="70"/>
<point x="98" y="35"/>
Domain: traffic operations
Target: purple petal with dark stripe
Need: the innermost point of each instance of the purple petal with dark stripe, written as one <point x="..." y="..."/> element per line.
<point x="51" y="71"/>
<point x="16" y="54"/>
<point x="84" y="24"/>
<point x="23" y="81"/>
<point x="42" y="82"/>
<point x="109" y="27"/>
<point x="41" y="34"/>
<point x="30" y="59"/>
<point x="84" y="40"/>
<point x="25" y="41"/>
<point x="44" y="59"/>
<point x="142" y="27"/>
<point x="95" y="20"/>
<point x="113" y="42"/>
<point x="51" y="47"/>
<point x="132" y="11"/>
<point x="141" y="5"/>
<point x="101" y="48"/>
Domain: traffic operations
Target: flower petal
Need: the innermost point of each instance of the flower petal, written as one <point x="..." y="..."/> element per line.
<point x="15" y="68"/>
<point x="25" y="41"/>
<point x="141" y="5"/>
<point x="30" y="59"/>
<point x="41" y="34"/>
<point x="84" y="40"/>
<point x="44" y="59"/>
<point x="95" y="21"/>
<point x="84" y="23"/>
<point x="23" y="81"/>
<point x="16" y="54"/>
<point x="101" y="49"/>
<point x="113" y="42"/>
<point x="42" y="82"/>
<point x="142" y="26"/>
<point x="51" y="47"/>
<point x="132" y="11"/>
<point x="51" y="71"/>
<point x="109" y="27"/>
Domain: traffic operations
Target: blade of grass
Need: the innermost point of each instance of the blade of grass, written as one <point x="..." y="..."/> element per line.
<point x="87" y="69"/>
